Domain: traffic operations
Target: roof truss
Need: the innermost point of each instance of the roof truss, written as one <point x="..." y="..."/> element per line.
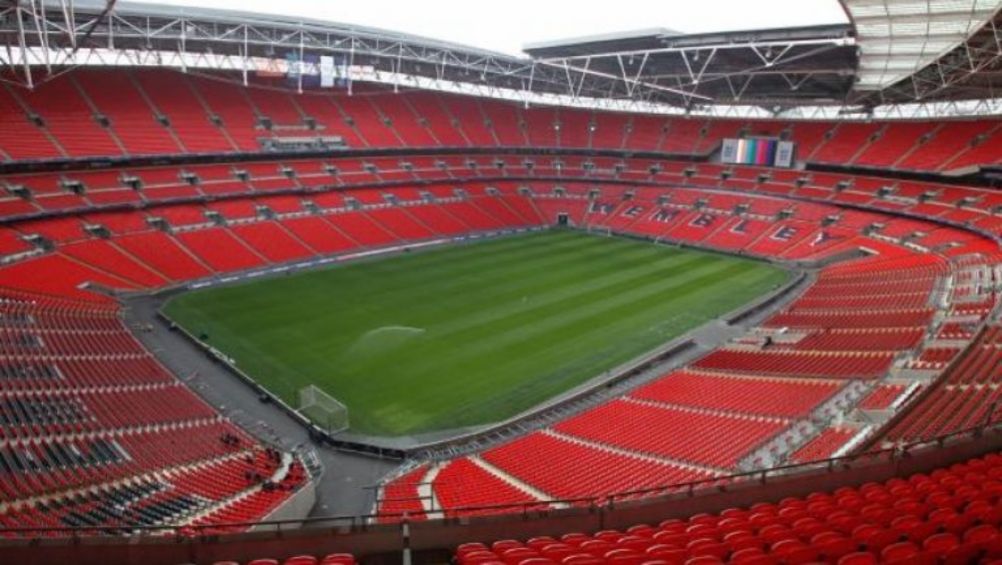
<point x="791" y="73"/>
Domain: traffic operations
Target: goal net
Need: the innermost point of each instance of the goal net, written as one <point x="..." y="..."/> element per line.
<point x="323" y="409"/>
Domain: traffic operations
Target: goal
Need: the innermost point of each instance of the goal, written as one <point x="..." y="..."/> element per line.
<point x="323" y="409"/>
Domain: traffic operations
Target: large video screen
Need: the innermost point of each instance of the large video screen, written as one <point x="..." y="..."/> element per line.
<point x="761" y="151"/>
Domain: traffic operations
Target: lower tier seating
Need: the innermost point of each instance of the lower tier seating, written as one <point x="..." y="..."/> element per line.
<point x="844" y="365"/>
<point x="766" y="398"/>
<point x="462" y="483"/>
<point x="825" y="445"/>
<point x="951" y="515"/>
<point x="712" y="439"/>
<point x="963" y="397"/>
<point x="735" y="408"/>
<point x="563" y="468"/>
<point x="329" y="559"/>
<point x="95" y="433"/>
<point x="740" y="394"/>
<point x="882" y="397"/>
<point x="401" y="497"/>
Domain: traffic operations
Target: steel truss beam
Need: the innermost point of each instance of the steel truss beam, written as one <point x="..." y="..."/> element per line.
<point x="792" y="79"/>
<point x="186" y="34"/>
<point x="970" y="70"/>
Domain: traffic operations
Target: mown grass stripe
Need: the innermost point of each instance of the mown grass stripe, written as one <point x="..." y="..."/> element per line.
<point x="467" y="334"/>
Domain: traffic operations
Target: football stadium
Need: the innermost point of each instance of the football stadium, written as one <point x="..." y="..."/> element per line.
<point x="279" y="290"/>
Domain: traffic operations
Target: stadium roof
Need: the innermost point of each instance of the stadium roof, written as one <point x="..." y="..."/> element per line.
<point x="813" y="64"/>
<point x="894" y="52"/>
<point x="637" y="39"/>
<point x="898" y="38"/>
<point x="927" y="49"/>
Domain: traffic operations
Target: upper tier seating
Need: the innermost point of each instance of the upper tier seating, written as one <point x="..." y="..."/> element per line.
<point x="148" y="111"/>
<point x="132" y="119"/>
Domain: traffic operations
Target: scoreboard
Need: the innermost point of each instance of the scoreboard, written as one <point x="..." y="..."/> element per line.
<point x="762" y="151"/>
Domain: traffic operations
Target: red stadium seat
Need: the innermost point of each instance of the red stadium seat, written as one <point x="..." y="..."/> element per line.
<point x="900" y="552"/>
<point x="126" y="181"/>
<point x="858" y="558"/>
<point x="582" y="559"/>
<point x="338" y="559"/>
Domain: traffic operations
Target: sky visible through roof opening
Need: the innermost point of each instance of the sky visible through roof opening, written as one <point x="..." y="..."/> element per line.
<point x="509" y="25"/>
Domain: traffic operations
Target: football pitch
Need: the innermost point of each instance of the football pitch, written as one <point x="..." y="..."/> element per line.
<point x="467" y="334"/>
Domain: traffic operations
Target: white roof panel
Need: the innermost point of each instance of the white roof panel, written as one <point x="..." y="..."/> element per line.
<point x="897" y="38"/>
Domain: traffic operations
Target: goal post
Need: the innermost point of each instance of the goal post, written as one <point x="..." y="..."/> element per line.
<point x="322" y="409"/>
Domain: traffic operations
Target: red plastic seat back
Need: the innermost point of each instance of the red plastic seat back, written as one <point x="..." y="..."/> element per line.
<point x="858" y="558"/>
<point x="899" y="552"/>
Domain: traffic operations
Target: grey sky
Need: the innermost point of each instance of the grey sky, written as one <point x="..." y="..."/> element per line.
<point x="507" y="25"/>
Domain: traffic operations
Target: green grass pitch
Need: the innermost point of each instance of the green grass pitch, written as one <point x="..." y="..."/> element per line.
<point x="467" y="334"/>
